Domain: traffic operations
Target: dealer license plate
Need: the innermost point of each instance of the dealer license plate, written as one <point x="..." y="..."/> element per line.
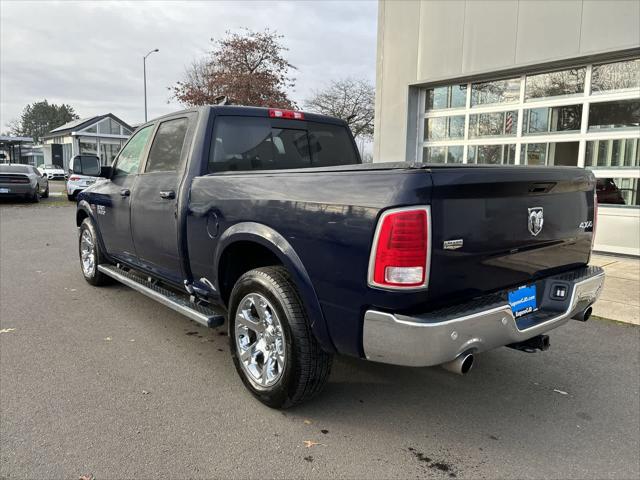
<point x="5" y="190"/>
<point x="523" y="300"/>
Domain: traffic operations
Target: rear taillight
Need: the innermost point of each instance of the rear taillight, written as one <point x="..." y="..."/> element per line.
<point x="73" y="178"/>
<point x="400" y="252"/>
<point x="595" y="218"/>
<point x="290" y="114"/>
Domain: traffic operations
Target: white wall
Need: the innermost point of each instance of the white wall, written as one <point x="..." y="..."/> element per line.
<point x="437" y="40"/>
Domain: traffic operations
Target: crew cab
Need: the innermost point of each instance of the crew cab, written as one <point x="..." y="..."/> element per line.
<point x="266" y="221"/>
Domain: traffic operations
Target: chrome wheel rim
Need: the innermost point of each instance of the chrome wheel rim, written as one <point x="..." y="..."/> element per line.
<point x="259" y="340"/>
<point x="87" y="253"/>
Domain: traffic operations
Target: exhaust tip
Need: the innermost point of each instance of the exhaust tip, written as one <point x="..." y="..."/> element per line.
<point x="584" y="315"/>
<point x="467" y="363"/>
<point x="461" y="365"/>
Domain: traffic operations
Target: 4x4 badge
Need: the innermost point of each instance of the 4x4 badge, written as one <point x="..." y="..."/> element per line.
<point x="536" y="220"/>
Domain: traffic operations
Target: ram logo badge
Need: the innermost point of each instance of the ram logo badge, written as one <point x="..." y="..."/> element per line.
<point x="536" y="220"/>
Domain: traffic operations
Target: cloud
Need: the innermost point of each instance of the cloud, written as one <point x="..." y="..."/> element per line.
<point x="89" y="54"/>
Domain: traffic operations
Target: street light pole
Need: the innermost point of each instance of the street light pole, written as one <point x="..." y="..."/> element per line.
<point x="144" y="73"/>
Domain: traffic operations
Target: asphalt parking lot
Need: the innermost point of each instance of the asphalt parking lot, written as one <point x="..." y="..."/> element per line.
<point x="104" y="381"/>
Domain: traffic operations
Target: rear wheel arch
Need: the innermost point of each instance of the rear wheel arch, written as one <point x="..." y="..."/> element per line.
<point x="263" y="240"/>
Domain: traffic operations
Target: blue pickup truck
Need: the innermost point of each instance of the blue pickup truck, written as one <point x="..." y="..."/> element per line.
<point x="268" y="221"/>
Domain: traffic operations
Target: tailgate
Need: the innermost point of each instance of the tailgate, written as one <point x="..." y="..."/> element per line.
<point x="500" y="227"/>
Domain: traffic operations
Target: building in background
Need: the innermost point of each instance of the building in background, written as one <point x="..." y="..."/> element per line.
<point x="102" y="135"/>
<point x="19" y="150"/>
<point x="549" y="82"/>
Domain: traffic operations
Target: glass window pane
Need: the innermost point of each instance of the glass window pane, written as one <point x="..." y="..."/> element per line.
<point x="435" y="128"/>
<point x="166" y="149"/>
<point x="492" y="154"/>
<point x="618" y="191"/>
<point x="458" y="96"/>
<point x="566" y="82"/>
<point x="87" y="147"/>
<point x="129" y="159"/>
<point x="553" y="119"/>
<point x="617" y="114"/>
<point x="453" y="96"/>
<point x="501" y="91"/>
<point x="612" y="153"/>
<point x="553" y="153"/>
<point x="493" y="124"/>
<point x="91" y="129"/>
<point x="615" y="76"/>
<point x="104" y="126"/>
<point x="455" y="153"/>
<point x="437" y="98"/>
<point x="456" y="126"/>
<point x="434" y="155"/>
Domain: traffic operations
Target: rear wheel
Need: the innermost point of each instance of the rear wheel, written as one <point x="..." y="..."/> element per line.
<point x="90" y="255"/>
<point x="35" y="198"/>
<point x="273" y="348"/>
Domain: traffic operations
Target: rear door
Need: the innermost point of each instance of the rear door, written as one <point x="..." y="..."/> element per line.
<point x="114" y="214"/>
<point x="154" y="204"/>
<point x="496" y="228"/>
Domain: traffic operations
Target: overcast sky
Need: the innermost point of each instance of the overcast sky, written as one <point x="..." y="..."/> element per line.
<point x="89" y="54"/>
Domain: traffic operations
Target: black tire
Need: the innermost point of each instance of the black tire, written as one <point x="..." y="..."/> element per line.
<point x="306" y="366"/>
<point x="72" y="197"/>
<point x="46" y="193"/>
<point x="93" y="275"/>
<point x="35" y="198"/>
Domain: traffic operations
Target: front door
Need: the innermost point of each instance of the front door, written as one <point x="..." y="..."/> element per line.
<point x="113" y="214"/>
<point x="155" y="201"/>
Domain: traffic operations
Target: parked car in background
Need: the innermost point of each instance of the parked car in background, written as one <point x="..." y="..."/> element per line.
<point x="266" y="219"/>
<point x="23" y="181"/>
<point x="53" y="172"/>
<point x="76" y="180"/>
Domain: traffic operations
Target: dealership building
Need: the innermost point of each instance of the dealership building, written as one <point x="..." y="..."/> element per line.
<point x="518" y="82"/>
<point x="100" y="135"/>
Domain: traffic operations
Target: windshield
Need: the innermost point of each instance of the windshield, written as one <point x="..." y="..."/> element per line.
<point x="14" y="169"/>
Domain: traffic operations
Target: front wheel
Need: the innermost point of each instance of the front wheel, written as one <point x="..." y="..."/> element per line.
<point x="90" y="254"/>
<point x="273" y="348"/>
<point x="46" y="193"/>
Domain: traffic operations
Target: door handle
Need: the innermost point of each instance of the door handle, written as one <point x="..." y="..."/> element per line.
<point x="125" y="192"/>
<point x="167" y="194"/>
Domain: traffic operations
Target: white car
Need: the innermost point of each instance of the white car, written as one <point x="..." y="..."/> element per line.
<point x="53" y="172"/>
<point x="76" y="181"/>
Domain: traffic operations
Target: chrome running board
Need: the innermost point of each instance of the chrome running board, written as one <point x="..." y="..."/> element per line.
<point x="204" y="315"/>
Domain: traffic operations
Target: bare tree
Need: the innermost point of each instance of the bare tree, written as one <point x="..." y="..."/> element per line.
<point x="248" y="68"/>
<point x="351" y="100"/>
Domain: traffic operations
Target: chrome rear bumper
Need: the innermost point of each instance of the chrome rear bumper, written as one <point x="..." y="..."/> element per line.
<point x="442" y="336"/>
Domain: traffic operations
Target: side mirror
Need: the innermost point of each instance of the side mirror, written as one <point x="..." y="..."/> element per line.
<point x="44" y="174"/>
<point x="106" y="171"/>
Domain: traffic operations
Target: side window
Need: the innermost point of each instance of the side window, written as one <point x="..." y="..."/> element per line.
<point x="129" y="159"/>
<point x="166" y="148"/>
<point x="251" y="143"/>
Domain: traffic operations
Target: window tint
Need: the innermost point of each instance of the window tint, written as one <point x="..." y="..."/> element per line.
<point x="129" y="159"/>
<point x="166" y="148"/>
<point x="86" y="165"/>
<point x="254" y="143"/>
